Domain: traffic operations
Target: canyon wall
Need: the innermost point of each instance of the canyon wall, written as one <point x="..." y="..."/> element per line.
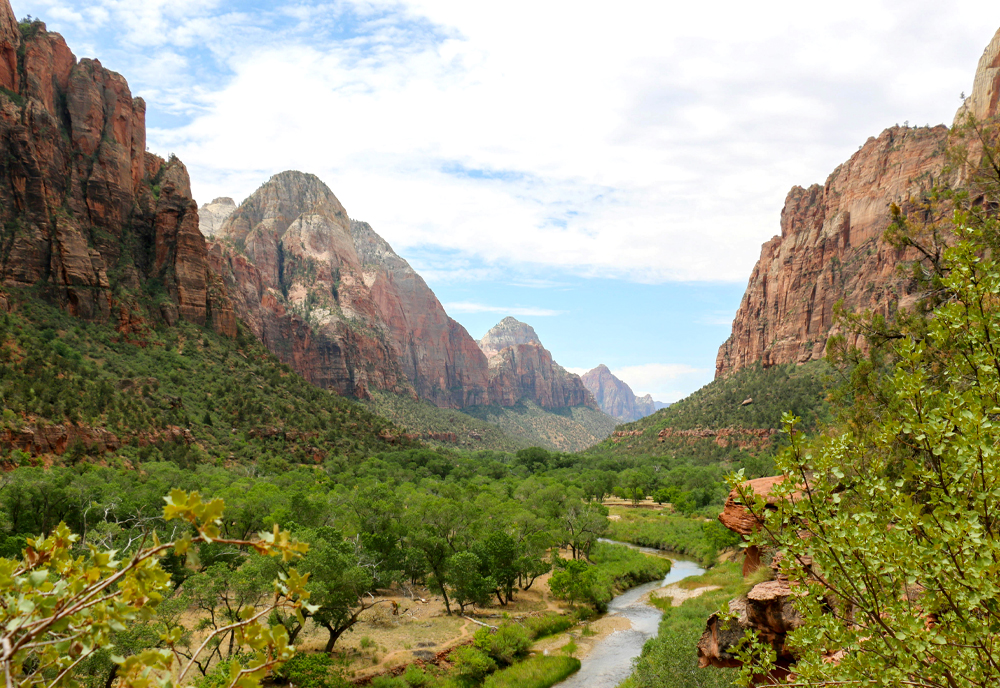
<point x="831" y="248"/>
<point x="520" y="368"/>
<point x="89" y="218"/>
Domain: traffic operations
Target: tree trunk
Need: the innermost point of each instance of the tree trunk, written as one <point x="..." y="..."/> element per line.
<point x="111" y="677"/>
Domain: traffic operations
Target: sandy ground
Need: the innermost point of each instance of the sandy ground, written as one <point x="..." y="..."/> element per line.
<point x="678" y="594"/>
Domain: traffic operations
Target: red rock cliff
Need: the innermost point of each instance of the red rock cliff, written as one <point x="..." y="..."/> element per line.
<point x="288" y="259"/>
<point x="436" y="353"/>
<point x="831" y="247"/>
<point x="616" y="398"/>
<point x="87" y="213"/>
<point x="522" y="369"/>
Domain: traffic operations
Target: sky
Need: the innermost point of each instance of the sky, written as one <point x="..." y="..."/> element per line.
<point x="604" y="171"/>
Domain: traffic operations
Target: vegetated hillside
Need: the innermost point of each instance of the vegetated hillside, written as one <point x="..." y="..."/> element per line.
<point x="442" y="427"/>
<point x="713" y="424"/>
<point x="71" y="389"/>
<point x="570" y="429"/>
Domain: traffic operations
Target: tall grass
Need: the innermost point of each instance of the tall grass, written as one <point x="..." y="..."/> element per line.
<point x="539" y="671"/>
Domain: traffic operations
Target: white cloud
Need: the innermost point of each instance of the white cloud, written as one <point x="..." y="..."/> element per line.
<point x="667" y="382"/>
<point x="471" y="307"/>
<point x="654" y="141"/>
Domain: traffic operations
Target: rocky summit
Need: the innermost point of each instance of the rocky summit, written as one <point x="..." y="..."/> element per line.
<point x="616" y="398"/>
<point x="90" y="218"/>
<point x="212" y="215"/>
<point x="831" y="247"/>
<point x="520" y="368"/>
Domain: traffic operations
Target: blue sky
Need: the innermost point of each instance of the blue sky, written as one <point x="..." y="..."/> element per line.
<point x="605" y="172"/>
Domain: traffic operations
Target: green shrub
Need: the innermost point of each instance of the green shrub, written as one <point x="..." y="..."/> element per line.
<point x="416" y="677"/>
<point x="388" y="682"/>
<point x="537" y="672"/>
<point x="473" y="664"/>
<point x="311" y="671"/>
<point x="505" y="645"/>
<point x="548" y="624"/>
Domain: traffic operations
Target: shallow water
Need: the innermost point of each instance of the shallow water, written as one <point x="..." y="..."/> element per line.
<point x="610" y="661"/>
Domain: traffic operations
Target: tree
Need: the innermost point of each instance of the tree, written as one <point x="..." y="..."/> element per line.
<point x="468" y="584"/>
<point x="574" y="581"/>
<point x="338" y="583"/>
<point x="64" y="607"/>
<point x="583" y="523"/>
<point x="890" y="530"/>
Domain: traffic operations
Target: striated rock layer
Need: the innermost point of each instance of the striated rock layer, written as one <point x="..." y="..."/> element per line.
<point x="436" y="353"/>
<point x="616" y="398"/>
<point x="520" y="368"/>
<point x="287" y="256"/>
<point x="87" y="214"/>
<point x="831" y="249"/>
<point x="831" y="246"/>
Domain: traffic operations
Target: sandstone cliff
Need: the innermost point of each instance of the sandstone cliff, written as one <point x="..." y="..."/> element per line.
<point x="287" y="256"/>
<point x="212" y="215"/>
<point x="436" y="353"/>
<point x="831" y="246"/>
<point x="522" y="369"/>
<point x="616" y="398"/>
<point x="88" y="216"/>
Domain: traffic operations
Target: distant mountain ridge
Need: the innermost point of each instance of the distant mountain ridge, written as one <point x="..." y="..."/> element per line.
<point x="616" y="398"/>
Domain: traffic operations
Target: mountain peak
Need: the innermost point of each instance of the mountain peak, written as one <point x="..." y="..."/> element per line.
<point x="616" y="398"/>
<point x="508" y="332"/>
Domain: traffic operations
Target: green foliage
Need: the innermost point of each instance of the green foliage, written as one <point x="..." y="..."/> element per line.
<point x="670" y="660"/>
<point x="570" y="429"/>
<point x="693" y="537"/>
<point x="547" y="624"/>
<point x="898" y="514"/>
<point x="505" y="645"/>
<point x="424" y="418"/>
<point x="537" y="672"/>
<point x="472" y="663"/>
<point x="719" y="405"/>
<point x="237" y="401"/>
<point x="313" y="670"/>
<point x="64" y="609"/>
<point x="616" y="568"/>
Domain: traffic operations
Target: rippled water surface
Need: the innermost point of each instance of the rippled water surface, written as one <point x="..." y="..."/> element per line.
<point x="610" y="662"/>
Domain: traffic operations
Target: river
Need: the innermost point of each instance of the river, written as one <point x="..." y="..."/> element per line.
<point x="610" y="661"/>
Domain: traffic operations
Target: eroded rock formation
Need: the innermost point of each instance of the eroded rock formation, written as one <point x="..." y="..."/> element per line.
<point x="212" y="215"/>
<point x="288" y="259"/>
<point x="520" y="368"/>
<point x="766" y="609"/>
<point x="87" y="214"/>
<point x="616" y="398"/>
<point x="436" y="353"/>
<point x="831" y="248"/>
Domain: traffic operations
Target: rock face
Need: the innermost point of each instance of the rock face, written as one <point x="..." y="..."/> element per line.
<point x="984" y="102"/>
<point x="831" y="248"/>
<point x="616" y="398"/>
<point x="520" y="368"/>
<point x="437" y="354"/>
<point x="212" y="215"/>
<point x="287" y="256"/>
<point x="87" y="214"/>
